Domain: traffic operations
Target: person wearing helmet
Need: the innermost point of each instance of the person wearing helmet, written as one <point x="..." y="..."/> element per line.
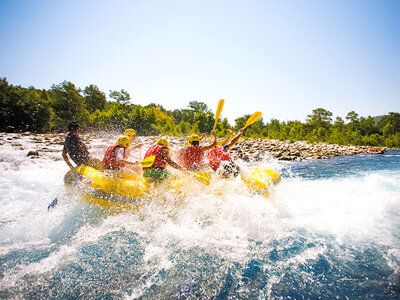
<point x="178" y="155"/>
<point x="76" y="149"/>
<point x="131" y="133"/>
<point x="187" y="143"/>
<point x="114" y="157"/>
<point x="161" y="151"/>
<point x="219" y="158"/>
<point x="193" y="155"/>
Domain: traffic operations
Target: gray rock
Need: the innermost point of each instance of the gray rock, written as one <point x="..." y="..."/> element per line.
<point x="33" y="153"/>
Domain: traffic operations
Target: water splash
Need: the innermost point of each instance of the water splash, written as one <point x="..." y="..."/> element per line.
<point x="324" y="232"/>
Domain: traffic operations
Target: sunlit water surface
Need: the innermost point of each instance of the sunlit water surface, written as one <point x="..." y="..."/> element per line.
<point x="329" y="229"/>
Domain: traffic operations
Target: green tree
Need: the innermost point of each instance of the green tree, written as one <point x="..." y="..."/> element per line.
<point x="164" y="123"/>
<point x="256" y="129"/>
<point x="94" y="98"/>
<point x="23" y="109"/>
<point x="368" y="126"/>
<point x="222" y="128"/>
<point x="353" y="119"/>
<point x="197" y="106"/>
<point x="6" y="103"/>
<point x="204" y="120"/>
<point x="183" y="128"/>
<point x="296" y="131"/>
<point x="241" y="121"/>
<point x="320" y="118"/>
<point x="339" y="123"/>
<point x="373" y="140"/>
<point x="68" y="104"/>
<point x="122" y="97"/>
<point x="388" y="130"/>
<point x="35" y="113"/>
<point x="186" y="115"/>
<point x="274" y="129"/>
<point x="392" y="118"/>
<point x="142" y="120"/>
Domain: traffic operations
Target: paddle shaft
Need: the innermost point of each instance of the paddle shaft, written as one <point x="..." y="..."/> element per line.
<point x="218" y="111"/>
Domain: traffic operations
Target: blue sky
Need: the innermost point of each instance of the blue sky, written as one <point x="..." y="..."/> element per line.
<point x="283" y="58"/>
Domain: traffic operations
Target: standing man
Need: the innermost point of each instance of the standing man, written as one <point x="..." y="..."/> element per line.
<point x="77" y="150"/>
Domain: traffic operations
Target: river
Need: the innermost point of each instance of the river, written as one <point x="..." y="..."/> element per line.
<point x="330" y="229"/>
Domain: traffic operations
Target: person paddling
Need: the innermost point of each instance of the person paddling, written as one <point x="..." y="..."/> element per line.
<point x="178" y="155"/>
<point x="219" y="158"/>
<point x="114" y="158"/>
<point x="161" y="151"/>
<point x="193" y="155"/>
<point x="77" y="150"/>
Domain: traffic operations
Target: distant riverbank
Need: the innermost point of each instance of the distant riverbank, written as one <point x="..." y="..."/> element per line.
<point x="286" y="150"/>
<point x="247" y="149"/>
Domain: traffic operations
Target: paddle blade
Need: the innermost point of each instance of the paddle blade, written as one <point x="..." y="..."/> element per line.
<point x="253" y="118"/>
<point x="203" y="177"/>
<point x="148" y="161"/>
<point x="219" y="111"/>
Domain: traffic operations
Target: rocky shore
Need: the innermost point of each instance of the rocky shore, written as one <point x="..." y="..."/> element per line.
<point x="285" y="150"/>
<point x="37" y="145"/>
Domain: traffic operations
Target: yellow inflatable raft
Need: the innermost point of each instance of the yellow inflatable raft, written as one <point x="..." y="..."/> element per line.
<point x="109" y="191"/>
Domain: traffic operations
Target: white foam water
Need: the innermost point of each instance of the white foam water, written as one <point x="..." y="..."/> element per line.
<point x="336" y="230"/>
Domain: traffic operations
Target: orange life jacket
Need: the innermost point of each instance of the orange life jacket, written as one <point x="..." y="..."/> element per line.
<point x="110" y="160"/>
<point x="192" y="157"/>
<point x="216" y="155"/>
<point x="159" y="161"/>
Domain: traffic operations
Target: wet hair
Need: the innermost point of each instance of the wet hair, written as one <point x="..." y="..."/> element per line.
<point x="73" y="126"/>
<point x="195" y="143"/>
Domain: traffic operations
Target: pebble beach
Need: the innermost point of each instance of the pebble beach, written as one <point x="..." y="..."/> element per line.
<point x="41" y="145"/>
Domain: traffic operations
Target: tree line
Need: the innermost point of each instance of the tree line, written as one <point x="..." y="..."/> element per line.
<point x="30" y="109"/>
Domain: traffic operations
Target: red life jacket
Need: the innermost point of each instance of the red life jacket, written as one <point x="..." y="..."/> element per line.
<point x="216" y="155"/>
<point x="159" y="161"/>
<point x="110" y="160"/>
<point x="178" y="157"/>
<point x="192" y="157"/>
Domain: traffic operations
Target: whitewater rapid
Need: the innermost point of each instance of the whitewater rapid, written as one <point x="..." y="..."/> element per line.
<point x="320" y="234"/>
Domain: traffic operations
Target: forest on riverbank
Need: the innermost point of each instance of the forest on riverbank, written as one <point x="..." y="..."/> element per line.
<point x="41" y="110"/>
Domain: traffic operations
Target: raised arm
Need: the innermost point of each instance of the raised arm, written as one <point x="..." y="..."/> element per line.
<point x="213" y="143"/>
<point x="228" y="137"/>
<point x="236" y="138"/>
<point x="167" y="157"/>
<point x="203" y="135"/>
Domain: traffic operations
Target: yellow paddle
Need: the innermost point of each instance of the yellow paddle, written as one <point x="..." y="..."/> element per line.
<point x="202" y="177"/>
<point x="218" y="112"/>
<point x="148" y="161"/>
<point x="252" y="119"/>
